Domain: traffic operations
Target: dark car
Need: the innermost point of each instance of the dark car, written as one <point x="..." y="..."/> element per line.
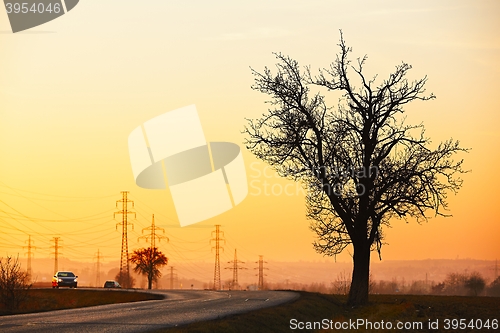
<point x="64" y="279"/>
<point x="112" y="284"/>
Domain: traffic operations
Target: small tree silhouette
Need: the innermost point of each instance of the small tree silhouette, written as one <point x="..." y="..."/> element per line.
<point x="124" y="280"/>
<point x="14" y="284"/>
<point x="148" y="262"/>
<point x="494" y="287"/>
<point x="475" y="283"/>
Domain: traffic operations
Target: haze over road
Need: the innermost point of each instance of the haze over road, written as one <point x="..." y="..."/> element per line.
<point x="180" y="307"/>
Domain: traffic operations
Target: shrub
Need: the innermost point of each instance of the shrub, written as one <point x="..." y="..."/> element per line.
<point x="455" y="284"/>
<point x="494" y="287"/>
<point x="463" y="284"/>
<point x="14" y="284"/>
<point x="124" y="280"/>
<point x="475" y="283"/>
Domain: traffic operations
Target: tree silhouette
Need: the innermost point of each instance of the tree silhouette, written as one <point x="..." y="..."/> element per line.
<point x="148" y="262"/>
<point x="360" y="162"/>
<point x="475" y="283"/>
<point x="14" y="284"/>
<point x="126" y="280"/>
<point x="494" y="287"/>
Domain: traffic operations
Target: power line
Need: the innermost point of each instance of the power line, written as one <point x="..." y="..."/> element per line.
<point x="30" y="219"/>
<point x="165" y="216"/>
<point x="83" y="219"/>
<point x="53" y="195"/>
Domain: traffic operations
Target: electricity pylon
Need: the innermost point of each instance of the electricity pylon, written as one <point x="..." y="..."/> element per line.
<point x="172" y="275"/>
<point x="30" y="255"/>
<point x="495" y="269"/>
<point x="98" y="257"/>
<point x="153" y="236"/>
<point x="56" y="253"/>
<point x="124" y="264"/>
<point x="217" y="247"/>
<point x="235" y="268"/>
<point x="261" y="274"/>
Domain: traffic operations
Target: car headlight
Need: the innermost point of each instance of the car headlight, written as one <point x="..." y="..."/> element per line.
<point x="60" y="280"/>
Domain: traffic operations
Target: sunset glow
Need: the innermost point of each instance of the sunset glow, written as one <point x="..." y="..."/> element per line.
<point x="72" y="90"/>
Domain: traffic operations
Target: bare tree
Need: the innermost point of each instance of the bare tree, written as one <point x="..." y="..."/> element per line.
<point x="455" y="284"/>
<point x="14" y="284"/>
<point x="361" y="163"/>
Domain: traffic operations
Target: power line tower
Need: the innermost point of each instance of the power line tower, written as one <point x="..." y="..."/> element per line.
<point x="30" y="247"/>
<point x="235" y="268"/>
<point x="217" y="238"/>
<point x="56" y="252"/>
<point x="495" y="269"/>
<point x="98" y="257"/>
<point x="152" y="236"/>
<point x="172" y="276"/>
<point x="124" y="264"/>
<point x="261" y="274"/>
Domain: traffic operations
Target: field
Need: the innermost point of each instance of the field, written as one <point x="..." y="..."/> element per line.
<point x="408" y="309"/>
<point x="56" y="299"/>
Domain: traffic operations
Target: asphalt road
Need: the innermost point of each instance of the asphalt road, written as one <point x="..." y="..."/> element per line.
<point x="180" y="307"/>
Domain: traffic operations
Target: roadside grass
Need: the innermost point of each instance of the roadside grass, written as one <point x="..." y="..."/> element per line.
<point x="40" y="300"/>
<point x="312" y="307"/>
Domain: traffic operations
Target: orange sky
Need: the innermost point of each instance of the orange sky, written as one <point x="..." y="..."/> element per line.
<point x="73" y="89"/>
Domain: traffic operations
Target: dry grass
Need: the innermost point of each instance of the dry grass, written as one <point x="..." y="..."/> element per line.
<point x="311" y="307"/>
<point x="56" y="299"/>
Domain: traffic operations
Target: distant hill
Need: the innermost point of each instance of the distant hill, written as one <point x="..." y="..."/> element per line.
<point x="200" y="274"/>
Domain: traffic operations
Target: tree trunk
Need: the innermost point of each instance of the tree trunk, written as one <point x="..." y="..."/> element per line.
<point x="150" y="281"/>
<point x="358" y="294"/>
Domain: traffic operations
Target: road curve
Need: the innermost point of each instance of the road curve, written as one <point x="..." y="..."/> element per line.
<point x="180" y="307"/>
